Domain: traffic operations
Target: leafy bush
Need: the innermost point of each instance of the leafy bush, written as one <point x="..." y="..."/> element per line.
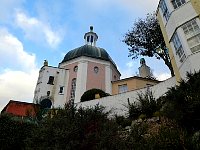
<point x="151" y="135"/>
<point x="122" y="121"/>
<point x="72" y="128"/>
<point x="134" y="111"/>
<point x="182" y="103"/>
<point x="168" y="136"/>
<point x="147" y="105"/>
<point x="13" y="133"/>
<point x="90" y="94"/>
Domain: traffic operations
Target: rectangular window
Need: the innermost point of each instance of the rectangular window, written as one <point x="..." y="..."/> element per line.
<point x="61" y="90"/>
<point x="122" y="88"/>
<point x="192" y="33"/>
<point x="178" y="47"/>
<point x="51" y="79"/>
<point x="164" y="9"/>
<point x="177" y="3"/>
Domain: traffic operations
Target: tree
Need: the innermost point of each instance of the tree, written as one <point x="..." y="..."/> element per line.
<point x="90" y="94"/>
<point x="146" y="39"/>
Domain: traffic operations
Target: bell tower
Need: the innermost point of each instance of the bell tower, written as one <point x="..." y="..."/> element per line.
<point x="90" y="37"/>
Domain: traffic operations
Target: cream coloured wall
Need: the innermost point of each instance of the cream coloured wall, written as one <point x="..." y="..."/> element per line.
<point x="61" y="77"/>
<point x="178" y="17"/>
<point x="132" y="83"/>
<point x="81" y="81"/>
<point x="171" y="54"/>
<point x="196" y="6"/>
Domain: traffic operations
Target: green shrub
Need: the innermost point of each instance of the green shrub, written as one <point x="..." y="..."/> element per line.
<point x="90" y="94"/>
<point x="142" y="116"/>
<point x="76" y="128"/>
<point x="147" y="105"/>
<point x="13" y="133"/>
<point x="134" y="111"/>
<point x="182" y="103"/>
<point x="122" y="121"/>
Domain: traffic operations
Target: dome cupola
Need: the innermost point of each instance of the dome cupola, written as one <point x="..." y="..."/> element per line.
<point x="89" y="49"/>
<point x="90" y="37"/>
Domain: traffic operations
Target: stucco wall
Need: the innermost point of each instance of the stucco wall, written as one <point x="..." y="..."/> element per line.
<point x="196" y="5"/>
<point x="72" y="75"/>
<point x="171" y="53"/>
<point x="117" y="104"/>
<point x="132" y="83"/>
<point x="60" y="79"/>
<point x="95" y="80"/>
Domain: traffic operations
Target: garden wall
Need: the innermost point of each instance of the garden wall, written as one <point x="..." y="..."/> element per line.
<point x="117" y="104"/>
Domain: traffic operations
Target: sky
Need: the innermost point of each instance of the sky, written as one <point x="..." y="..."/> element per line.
<point x="32" y="31"/>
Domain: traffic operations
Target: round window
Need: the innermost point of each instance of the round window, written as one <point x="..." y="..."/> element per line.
<point x="96" y="69"/>
<point x="75" y="68"/>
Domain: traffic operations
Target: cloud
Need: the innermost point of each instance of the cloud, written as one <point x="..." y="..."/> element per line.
<point x="162" y="76"/>
<point x="37" y="30"/>
<point x="129" y="70"/>
<point x="16" y="84"/>
<point x="131" y="6"/>
<point x="8" y="8"/>
<point x="145" y="6"/>
<point x="12" y="52"/>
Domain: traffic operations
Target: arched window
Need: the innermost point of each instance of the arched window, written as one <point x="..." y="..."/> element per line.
<point x="92" y="39"/>
<point x="73" y="89"/>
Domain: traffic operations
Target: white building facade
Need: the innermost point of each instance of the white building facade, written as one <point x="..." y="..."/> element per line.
<point x="82" y="69"/>
<point x="180" y="25"/>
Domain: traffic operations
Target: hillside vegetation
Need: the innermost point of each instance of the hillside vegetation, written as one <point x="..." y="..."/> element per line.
<point x="170" y="122"/>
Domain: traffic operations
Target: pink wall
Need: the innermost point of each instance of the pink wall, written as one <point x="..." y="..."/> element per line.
<point x="95" y="80"/>
<point x="115" y="74"/>
<point x="72" y="75"/>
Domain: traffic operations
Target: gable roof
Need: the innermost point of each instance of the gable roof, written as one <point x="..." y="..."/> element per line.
<point x="22" y="109"/>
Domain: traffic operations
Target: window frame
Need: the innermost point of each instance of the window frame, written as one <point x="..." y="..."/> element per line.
<point x="165" y="10"/>
<point x="51" y="80"/>
<point x="191" y="30"/>
<point x="177" y="3"/>
<point x="178" y="47"/>
<point x="75" y="68"/>
<point x="96" y="69"/>
<point x="73" y="89"/>
<point x="122" y="88"/>
<point x="61" y="90"/>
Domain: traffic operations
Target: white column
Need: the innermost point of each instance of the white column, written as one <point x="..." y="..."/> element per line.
<point x="81" y="80"/>
<point x="108" y="79"/>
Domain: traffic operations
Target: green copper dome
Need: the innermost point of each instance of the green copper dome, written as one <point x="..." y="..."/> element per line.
<point x="88" y="51"/>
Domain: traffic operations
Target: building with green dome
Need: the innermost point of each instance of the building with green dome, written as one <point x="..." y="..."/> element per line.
<point x="82" y="69"/>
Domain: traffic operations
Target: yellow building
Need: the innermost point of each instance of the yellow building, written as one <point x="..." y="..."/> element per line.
<point x="180" y="25"/>
<point x="131" y="84"/>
